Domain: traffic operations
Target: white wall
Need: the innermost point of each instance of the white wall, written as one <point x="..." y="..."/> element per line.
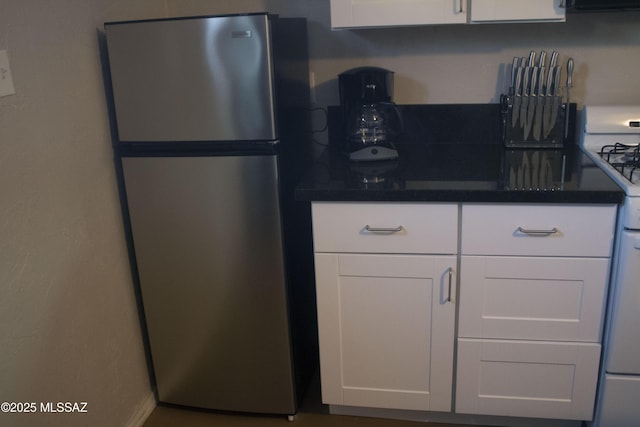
<point x="469" y="63"/>
<point x="69" y="328"/>
<point x="460" y="63"/>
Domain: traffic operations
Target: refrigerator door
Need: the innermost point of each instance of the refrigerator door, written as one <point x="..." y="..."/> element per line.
<point x="194" y="79"/>
<point x="207" y="237"/>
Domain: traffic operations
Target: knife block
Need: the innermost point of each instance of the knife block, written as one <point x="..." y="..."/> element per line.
<point x="534" y="121"/>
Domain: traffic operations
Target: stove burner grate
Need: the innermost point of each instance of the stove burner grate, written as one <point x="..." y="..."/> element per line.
<point x="624" y="158"/>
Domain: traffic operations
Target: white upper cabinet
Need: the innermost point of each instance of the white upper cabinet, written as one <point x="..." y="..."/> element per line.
<point x="395" y="13"/>
<point x="482" y="11"/>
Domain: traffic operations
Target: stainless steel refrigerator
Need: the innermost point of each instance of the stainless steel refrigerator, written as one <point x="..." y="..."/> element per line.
<point x="211" y="135"/>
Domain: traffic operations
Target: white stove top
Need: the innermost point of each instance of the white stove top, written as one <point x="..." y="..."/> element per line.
<point x="603" y="128"/>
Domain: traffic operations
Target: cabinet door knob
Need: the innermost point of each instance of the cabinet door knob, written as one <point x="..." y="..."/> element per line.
<point x="388" y="230"/>
<point x="529" y="232"/>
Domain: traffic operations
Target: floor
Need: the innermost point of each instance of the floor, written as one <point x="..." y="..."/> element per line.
<point x="172" y="417"/>
<point x="312" y="414"/>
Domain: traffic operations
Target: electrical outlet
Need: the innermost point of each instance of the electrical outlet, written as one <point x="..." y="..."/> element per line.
<point x="6" y="81"/>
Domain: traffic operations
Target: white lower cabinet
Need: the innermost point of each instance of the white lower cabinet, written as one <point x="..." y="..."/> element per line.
<point x="533" y="287"/>
<point x="386" y="328"/>
<point x="532" y="298"/>
<point x="543" y="318"/>
<point x="386" y="292"/>
<point x="527" y="378"/>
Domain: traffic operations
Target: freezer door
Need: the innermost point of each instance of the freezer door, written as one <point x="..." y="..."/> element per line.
<point x="207" y="238"/>
<point x="197" y="79"/>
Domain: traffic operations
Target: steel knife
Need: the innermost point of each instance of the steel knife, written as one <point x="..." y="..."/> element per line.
<point x="557" y="99"/>
<point x="569" y="84"/>
<point x="514" y="71"/>
<point x="554" y="59"/>
<point x="526" y="77"/>
<point x="548" y="101"/>
<point x="531" y="107"/>
<point x="537" y="124"/>
<point x="517" y="99"/>
<point x="543" y="59"/>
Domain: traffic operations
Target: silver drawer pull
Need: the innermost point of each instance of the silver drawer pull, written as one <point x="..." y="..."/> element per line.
<point x="538" y="232"/>
<point x="450" y="278"/>
<point x="383" y="229"/>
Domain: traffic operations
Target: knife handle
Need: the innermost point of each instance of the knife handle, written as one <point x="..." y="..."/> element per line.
<point x="556" y="79"/>
<point x="543" y="58"/>
<point x="569" y="84"/>
<point x="534" y="80"/>
<point x="540" y="80"/>
<point x="526" y="76"/>
<point x="554" y="59"/>
<point x="517" y="89"/>
<point x="514" y="71"/>
<point x="549" y="81"/>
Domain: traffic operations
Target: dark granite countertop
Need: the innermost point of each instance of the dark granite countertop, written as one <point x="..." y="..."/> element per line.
<point x="455" y="154"/>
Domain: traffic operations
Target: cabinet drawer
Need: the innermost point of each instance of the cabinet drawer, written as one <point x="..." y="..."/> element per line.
<point x="542" y="230"/>
<point x="385" y="228"/>
<point x="527" y="378"/>
<point x="551" y="299"/>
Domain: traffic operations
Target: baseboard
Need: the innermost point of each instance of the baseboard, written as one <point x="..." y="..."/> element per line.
<point x="449" y="417"/>
<point x="142" y="411"/>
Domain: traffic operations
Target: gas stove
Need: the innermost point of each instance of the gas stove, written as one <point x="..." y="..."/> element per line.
<point x="610" y="136"/>
<point x="624" y="158"/>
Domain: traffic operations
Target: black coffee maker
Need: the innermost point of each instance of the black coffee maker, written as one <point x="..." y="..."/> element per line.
<point x="370" y="119"/>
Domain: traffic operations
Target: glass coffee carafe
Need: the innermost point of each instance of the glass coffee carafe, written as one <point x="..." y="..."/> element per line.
<point x="371" y="121"/>
<point x="373" y="124"/>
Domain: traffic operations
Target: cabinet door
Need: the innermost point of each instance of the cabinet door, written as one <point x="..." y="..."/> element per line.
<point x="381" y="13"/>
<point x="555" y="299"/>
<point x="386" y="330"/>
<point x="527" y="378"/>
<point x="517" y="10"/>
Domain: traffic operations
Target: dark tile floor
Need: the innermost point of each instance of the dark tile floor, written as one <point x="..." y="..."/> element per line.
<point x="172" y="417"/>
<point x="312" y="414"/>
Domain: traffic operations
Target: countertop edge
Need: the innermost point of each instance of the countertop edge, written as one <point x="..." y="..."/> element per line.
<point x="461" y="196"/>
